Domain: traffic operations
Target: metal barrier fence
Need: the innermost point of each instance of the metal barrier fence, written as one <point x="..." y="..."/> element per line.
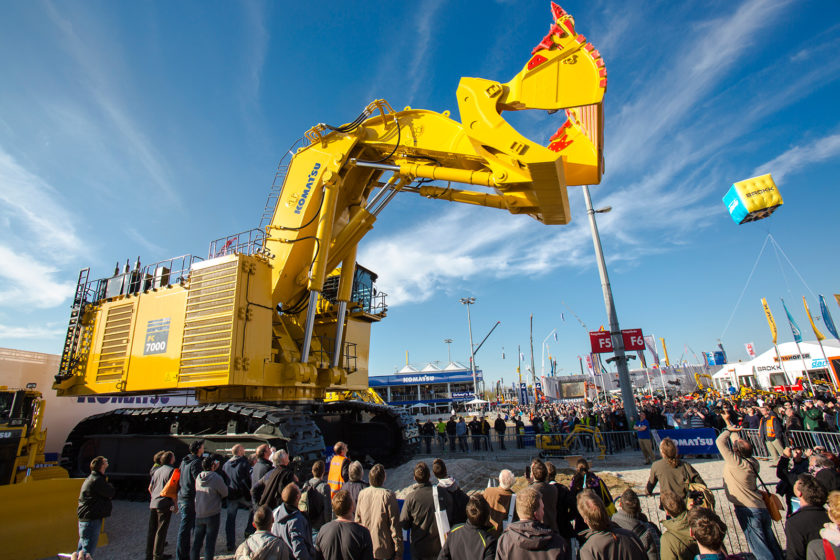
<point x="803" y="439"/>
<point x="735" y="540"/>
<point x="614" y="442"/>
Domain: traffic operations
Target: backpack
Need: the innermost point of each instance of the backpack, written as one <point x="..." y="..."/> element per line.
<point x="699" y="495"/>
<point x="459" y="506"/>
<point x="645" y="527"/>
<point x="311" y="503"/>
<point x="268" y="551"/>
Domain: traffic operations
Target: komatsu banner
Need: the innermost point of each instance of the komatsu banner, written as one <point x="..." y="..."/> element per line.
<point x="699" y="441"/>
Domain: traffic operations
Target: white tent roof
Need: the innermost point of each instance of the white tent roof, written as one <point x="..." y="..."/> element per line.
<point x="408" y="369"/>
<point x="430" y="367"/>
<point x="477" y="401"/>
<point x="454" y="366"/>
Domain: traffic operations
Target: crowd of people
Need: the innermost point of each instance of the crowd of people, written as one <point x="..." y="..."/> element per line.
<point x="336" y="514"/>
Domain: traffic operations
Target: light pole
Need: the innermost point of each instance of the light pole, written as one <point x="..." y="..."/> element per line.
<point x="468" y="302"/>
<point x="448" y="342"/>
<point x="627" y="396"/>
<point x="545" y="341"/>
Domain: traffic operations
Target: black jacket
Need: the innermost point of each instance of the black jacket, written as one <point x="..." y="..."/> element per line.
<point x="340" y="540"/>
<point x="531" y="540"/>
<point x="190" y="469"/>
<point x="787" y="475"/>
<point x="95" y="498"/>
<point x="548" y="493"/>
<point x="238" y="471"/>
<point x="418" y="516"/>
<point x="468" y="542"/>
<point x="261" y="468"/>
<point x="451" y="427"/>
<point x="803" y="527"/>
<point x="829" y="478"/>
<point x="268" y="489"/>
<point x="566" y="509"/>
<point x="500" y="426"/>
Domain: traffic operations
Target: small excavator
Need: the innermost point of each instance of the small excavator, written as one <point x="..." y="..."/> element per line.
<point x="271" y="330"/>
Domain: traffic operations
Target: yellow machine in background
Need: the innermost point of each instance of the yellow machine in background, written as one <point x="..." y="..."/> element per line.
<point x="276" y="318"/>
<point x="36" y="494"/>
<point x="557" y="445"/>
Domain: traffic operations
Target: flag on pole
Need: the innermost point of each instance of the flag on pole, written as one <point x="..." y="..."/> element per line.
<point x="837" y="297"/>
<point x="827" y="320"/>
<point x="589" y="364"/>
<point x="650" y="344"/>
<point x="820" y="336"/>
<point x="794" y="328"/>
<point x="722" y="351"/>
<point x="750" y="349"/>
<point x="642" y="359"/>
<point x="770" y="320"/>
<point x="665" y="351"/>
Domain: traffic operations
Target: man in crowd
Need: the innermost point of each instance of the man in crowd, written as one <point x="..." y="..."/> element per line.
<point x="461" y="433"/>
<point x="428" y="432"/>
<point x="629" y="516"/>
<point x="771" y="432"/>
<point x="378" y="510"/>
<point x="262" y="544"/>
<point x="529" y="538"/>
<point x="418" y="515"/>
<point x="292" y="526"/>
<point x="475" y="432"/>
<point x="471" y="540"/>
<point x="189" y="470"/>
<point x="458" y="512"/>
<point x="566" y="506"/>
<point x="791" y="465"/>
<point x="318" y="489"/>
<point x="677" y="542"/>
<point x="498" y="501"/>
<point x="642" y="429"/>
<point x="548" y="493"/>
<point x="804" y="526"/>
<point x="440" y="429"/>
<point x="486" y="442"/>
<point x="238" y="472"/>
<point x="210" y="490"/>
<point x="343" y="538"/>
<point x="160" y="507"/>
<point x="500" y="426"/>
<point x="452" y="430"/>
<point x="709" y="531"/>
<point x="739" y="482"/>
<point x="355" y="484"/>
<point x="519" y="426"/>
<point x="605" y="539"/>
<point x="94" y="505"/>
<point x="338" y="472"/>
<point x="268" y="489"/>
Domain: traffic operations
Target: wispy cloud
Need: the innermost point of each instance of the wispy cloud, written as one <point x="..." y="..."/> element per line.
<point x="797" y="157"/>
<point x="36" y="332"/>
<point x="98" y="76"/>
<point x="40" y="237"/>
<point x="419" y="65"/>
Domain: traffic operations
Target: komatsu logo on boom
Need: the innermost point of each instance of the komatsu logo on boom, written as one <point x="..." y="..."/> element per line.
<point x="305" y="194"/>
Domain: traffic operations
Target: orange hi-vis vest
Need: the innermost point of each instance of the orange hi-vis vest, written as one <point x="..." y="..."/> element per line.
<point x="770" y="427"/>
<point x="334" y="477"/>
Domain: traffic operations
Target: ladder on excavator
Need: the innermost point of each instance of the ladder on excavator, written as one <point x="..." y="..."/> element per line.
<point x="74" y="328"/>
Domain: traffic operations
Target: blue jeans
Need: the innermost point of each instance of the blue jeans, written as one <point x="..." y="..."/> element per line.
<point x="206" y="531"/>
<point x="89" y="535"/>
<point x="233" y="508"/>
<point x="186" y="509"/>
<point x="757" y="527"/>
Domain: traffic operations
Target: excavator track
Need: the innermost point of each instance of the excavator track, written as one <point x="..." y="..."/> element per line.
<point x="129" y="437"/>
<point x="374" y="433"/>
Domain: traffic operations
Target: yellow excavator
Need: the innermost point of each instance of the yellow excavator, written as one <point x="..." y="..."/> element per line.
<point x="271" y="330"/>
<point x="37" y="494"/>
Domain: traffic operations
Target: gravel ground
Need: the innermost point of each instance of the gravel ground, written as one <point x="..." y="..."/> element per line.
<point x="127" y="526"/>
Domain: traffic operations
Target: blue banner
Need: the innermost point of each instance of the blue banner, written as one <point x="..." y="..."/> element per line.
<point x="794" y="328"/>
<point x="827" y="321"/>
<point x="699" y="441"/>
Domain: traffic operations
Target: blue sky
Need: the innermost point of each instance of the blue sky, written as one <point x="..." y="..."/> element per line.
<point x="152" y="128"/>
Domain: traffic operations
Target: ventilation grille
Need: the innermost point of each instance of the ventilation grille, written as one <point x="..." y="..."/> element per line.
<point x="115" y="344"/>
<point x="208" y="328"/>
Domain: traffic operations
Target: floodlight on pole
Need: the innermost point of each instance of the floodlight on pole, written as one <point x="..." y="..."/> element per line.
<point x="627" y="397"/>
<point x="544" y="346"/>
<point x="468" y="301"/>
<point x="448" y="342"/>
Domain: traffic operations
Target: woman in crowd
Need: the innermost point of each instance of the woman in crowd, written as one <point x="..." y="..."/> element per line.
<point x="671" y="472"/>
<point x="584" y="479"/>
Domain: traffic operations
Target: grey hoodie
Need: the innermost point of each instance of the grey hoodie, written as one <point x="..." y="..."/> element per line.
<point x="210" y="488"/>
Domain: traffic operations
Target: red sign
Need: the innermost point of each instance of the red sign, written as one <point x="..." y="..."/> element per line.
<point x="601" y="341"/>
<point x="633" y="339"/>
